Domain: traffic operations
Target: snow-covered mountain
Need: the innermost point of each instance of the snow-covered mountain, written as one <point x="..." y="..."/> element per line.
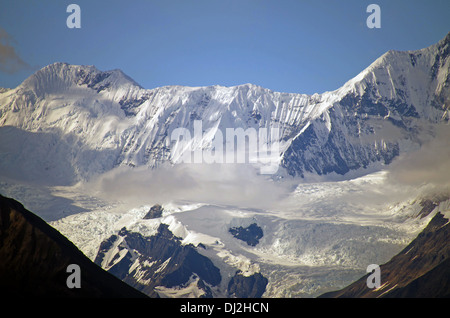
<point x="79" y="121"/>
<point x="163" y="265"/>
<point x="158" y="261"/>
<point x="68" y="123"/>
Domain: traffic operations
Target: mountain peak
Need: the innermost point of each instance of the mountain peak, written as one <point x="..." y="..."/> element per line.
<point x="445" y="40"/>
<point x="60" y="75"/>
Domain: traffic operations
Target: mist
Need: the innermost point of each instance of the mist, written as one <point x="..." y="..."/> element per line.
<point x="427" y="166"/>
<point x="223" y="184"/>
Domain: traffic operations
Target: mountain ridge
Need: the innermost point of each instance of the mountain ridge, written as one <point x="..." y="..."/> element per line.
<point x="371" y="119"/>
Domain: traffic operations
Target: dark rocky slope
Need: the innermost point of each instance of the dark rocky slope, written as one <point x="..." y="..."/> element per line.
<point x="241" y="286"/>
<point x="422" y="269"/>
<point x="34" y="258"/>
<point x="158" y="260"/>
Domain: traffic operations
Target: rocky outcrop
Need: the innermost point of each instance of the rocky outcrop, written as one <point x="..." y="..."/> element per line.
<point x="241" y="286"/>
<point x="250" y="234"/>
<point x="152" y="262"/>
<point x="154" y="212"/>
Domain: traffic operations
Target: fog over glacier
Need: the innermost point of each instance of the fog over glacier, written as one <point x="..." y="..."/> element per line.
<point x="428" y="165"/>
<point x="238" y="184"/>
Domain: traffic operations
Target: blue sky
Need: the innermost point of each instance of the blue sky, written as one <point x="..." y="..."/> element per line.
<point x="301" y="46"/>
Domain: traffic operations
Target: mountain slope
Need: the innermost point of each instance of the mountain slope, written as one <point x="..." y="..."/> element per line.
<point x="380" y="113"/>
<point x="163" y="265"/>
<point x="34" y="258"/>
<point x="420" y="270"/>
<point x="156" y="261"/>
<point x="93" y="121"/>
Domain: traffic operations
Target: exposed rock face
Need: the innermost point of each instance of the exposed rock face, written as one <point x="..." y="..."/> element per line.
<point x="422" y="269"/>
<point x="156" y="261"/>
<point x="241" y="286"/>
<point x="250" y="234"/>
<point x="34" y="258"/>
<point x="154" y="212"/>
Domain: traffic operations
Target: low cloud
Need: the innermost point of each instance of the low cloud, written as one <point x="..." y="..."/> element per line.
<point x="429" y="165"/>
<point x="241" y="185"/>
<point x="10" y="61"/>
<point x="224" y="184"/>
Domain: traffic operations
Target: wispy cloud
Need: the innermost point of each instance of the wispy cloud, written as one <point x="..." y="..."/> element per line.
<point x="10" y="61"/>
